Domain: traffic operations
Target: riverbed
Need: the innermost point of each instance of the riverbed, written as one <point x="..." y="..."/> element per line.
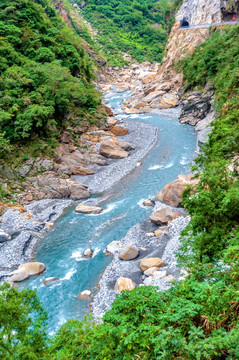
<point x="61" y="250"/>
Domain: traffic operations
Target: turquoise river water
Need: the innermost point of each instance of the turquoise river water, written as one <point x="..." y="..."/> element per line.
<point x="73" y="233"/>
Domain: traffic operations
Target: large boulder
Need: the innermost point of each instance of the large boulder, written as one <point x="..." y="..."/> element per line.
<point x="119" y="130"/>
<point x="146" y="264"/>
<point x="129" y="252"/>
<point x="111" y="149"/>
<point x="26" y="270"/>
<point x="172" y="192"/>
<point x="83" y="209"/>
<point x="124" y="284"/>
<point x="164" y="216"/>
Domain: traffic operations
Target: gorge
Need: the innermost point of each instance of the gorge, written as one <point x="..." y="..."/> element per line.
<point x="99" y="196"/>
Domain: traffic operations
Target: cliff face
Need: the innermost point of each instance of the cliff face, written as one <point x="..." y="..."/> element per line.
<point x="200" y="12"/>
<point x="162" y="92"/>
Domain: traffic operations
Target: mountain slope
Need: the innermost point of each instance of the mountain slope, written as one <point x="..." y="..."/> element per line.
<point x="136" y="27"/>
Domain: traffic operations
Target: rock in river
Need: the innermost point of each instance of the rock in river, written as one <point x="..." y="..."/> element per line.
<point x="129" y="252"/>
<point x="83" y="209"/>
<point x="88" y="253"/>
<point x="151" y="262"/>
<point x="164" y="216"/>
<point x="124" y="284"/>
<point x="50" y="280"/>
<point x="84" y="295"/>
<point x="26" y="270"/>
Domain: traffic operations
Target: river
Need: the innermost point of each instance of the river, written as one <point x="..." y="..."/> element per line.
<point x="73" y="233"/>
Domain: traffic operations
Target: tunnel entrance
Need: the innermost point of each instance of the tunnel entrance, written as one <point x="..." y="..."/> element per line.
<point x="184" y="23"/>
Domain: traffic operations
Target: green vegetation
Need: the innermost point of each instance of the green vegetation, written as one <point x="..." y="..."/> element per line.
<point x="137" y="27"/>
<point x="171" y="11"/>
<point x="45" y="74"/>
<point x="23" y="333"/>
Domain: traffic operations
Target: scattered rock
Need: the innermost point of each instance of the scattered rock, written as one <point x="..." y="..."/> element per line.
<point x="150" y="271"/>
<point x="108" y="110"/>
<point x="159" y="274"/>
<point x="88" y="253"/>
<point x="148" y="202"/>
<point x="49" y="224"/>
<point x="129" y="252"/>
<point x="151" y="262"/>
<point x="125" y="145"/>
<point x="111" y="149"/>
<point x="124" y="284"/>
<point x="150" y="234"/>
<point x="172" y="192"/>
<point x="4" y="236"/>
<point x="113" y="247"/>
<point x="170" y="278"/>
<point x="50" y="280"/>
<point x="84" y="295"/>
<point x="83" y="209"/>
<point x="160" y="233"/>
<point x="164" y="216"/>
<point x="26" y="270"/>
<point x="138" y="164"/>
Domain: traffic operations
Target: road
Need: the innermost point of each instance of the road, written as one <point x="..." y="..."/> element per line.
<point x="202" y="26"/>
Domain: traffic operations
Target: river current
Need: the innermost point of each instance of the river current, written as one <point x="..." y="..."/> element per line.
<point x="61" y="250"/>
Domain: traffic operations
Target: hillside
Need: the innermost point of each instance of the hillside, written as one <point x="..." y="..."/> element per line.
<point x="137" y="28"/>
<point x="46" y="75"/>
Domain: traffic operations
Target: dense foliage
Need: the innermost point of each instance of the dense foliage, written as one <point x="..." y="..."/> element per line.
<point x="23" y="333"/>
<point x="45" y="73"/>
<point x="137" y="27"/>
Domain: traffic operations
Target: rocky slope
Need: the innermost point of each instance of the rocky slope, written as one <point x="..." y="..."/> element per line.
<point x="197" y="12"/>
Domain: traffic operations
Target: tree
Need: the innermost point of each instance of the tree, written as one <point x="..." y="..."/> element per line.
<point x="23" y="333"/>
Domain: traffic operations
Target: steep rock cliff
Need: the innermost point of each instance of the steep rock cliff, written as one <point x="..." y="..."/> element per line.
<point x="200" y="12"/>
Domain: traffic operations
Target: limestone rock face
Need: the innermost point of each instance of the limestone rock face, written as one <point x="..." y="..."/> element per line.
<point x="111" y="149"/>
<point x="83" y="209"/>
<point x="51" y="187"/>
<point x="164" y="216"/>
<point x="146" y="264"/>
<point x="129" y="252"/>
<point x="196" y="106"/>
<point x="124" y="284"/>
<point x="26" y="270"/>
<point x="198" y="12"/>
<point x="172" y="192"/>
